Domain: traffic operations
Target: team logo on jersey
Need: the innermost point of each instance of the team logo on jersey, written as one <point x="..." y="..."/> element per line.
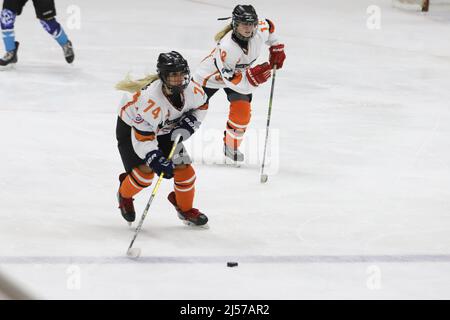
<point x="138" y="119"/>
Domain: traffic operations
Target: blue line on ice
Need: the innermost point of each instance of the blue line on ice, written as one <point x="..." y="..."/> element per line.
<point x="418" y="258"/>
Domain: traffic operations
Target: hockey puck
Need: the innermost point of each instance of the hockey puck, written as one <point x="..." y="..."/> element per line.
<point x="134" y="253"/>
<point x="232" y="264"/>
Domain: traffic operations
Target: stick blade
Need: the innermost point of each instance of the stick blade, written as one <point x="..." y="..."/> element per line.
<point x="264" y="178"/>
<point x="134" y="253"/>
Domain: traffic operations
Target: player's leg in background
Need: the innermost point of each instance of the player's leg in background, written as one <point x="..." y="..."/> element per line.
<point x="46" y="13"/>
<point x="8" y="18"/>
<point x="238" y="120"/>
<point x="10" y="10"/>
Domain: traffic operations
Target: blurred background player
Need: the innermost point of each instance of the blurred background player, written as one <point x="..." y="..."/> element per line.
<point x="162" y="106"/>
<point x="229" y="67"/>
<point x="45" y="12"/>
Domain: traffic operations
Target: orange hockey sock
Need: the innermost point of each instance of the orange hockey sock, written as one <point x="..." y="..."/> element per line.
<point x="184" y="179"/>
<point x="238" y="120"/>
<point x="135" y="182"/>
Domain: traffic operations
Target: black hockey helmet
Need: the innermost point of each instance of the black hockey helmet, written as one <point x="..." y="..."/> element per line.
<point x="173" y="62"/>
<point x="244" y="14"/>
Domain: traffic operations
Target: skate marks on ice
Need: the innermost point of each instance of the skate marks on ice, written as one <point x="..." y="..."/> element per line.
<point x="255" y="259"/>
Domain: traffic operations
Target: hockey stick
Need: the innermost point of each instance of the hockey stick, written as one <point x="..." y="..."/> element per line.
<point x="264" y="176"/>
<point x="136" y="252"/>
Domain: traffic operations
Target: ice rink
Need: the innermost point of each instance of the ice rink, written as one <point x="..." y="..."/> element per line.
<point x="357" y="205"/>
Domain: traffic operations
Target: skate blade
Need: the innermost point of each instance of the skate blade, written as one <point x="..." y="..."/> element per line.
<point x="231" y="163"/>
<point x="193" y="225"/>
<point x="8" y="67"/>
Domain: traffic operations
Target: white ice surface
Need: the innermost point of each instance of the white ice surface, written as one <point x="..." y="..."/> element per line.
<point x="358" y="208"/>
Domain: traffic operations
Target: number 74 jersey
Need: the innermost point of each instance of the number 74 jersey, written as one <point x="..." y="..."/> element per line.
<point x="150" y="113"/>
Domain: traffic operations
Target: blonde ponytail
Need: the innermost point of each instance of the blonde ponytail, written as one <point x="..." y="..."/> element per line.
<point x="223" y="32"/>
<point x="132" y="86"/>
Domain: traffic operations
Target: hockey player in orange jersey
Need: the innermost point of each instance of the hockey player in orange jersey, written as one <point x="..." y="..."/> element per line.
<point x="162" y="106"/>
<point x="229" y="67"/>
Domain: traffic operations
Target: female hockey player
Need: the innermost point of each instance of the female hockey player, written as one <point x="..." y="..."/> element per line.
<point x="163" y="106"/>
<point x="229" y="67"/>
<point x="46" y="13"/>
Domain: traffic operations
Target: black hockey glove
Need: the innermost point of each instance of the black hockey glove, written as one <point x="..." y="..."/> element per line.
<point x="185" y="127"/>
<point x="160" y="164"/>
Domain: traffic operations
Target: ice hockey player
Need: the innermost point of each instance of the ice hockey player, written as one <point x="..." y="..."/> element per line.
<point x="162" y="106"/>
<point x="229" y="66"/>
<point x="46" y="13"/>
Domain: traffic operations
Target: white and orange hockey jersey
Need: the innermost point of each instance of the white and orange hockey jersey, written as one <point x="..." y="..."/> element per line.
<point x="225" y="66"/>
<point x="150" y="113"/>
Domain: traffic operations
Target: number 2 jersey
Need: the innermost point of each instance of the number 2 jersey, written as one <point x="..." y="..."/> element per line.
<point x="150" y="113"/>
<point x="226" y="65"/>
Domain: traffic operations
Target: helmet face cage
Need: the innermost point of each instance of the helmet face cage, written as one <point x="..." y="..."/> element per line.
<point x="173" y="62"/>
<point x="244" y="14"/>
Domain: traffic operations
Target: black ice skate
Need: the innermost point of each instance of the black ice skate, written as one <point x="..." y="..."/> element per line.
<point x="233" y="154"/>
<point x="68" y="52"/>
<point x="10" y="57"/>
<point x="126" y="204"/>
<point x="191" y="217"/>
